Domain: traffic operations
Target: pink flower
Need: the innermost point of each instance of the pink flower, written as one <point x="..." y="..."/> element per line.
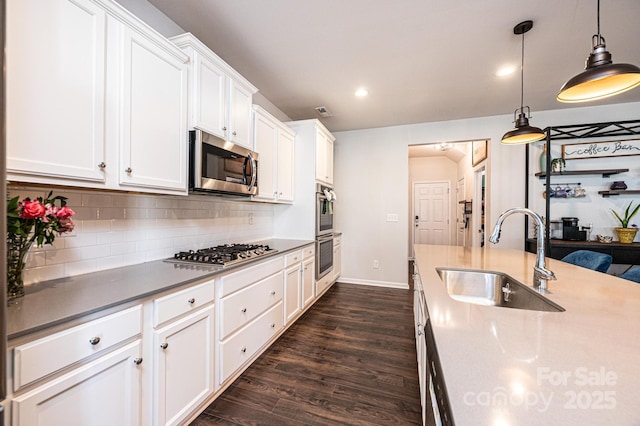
<point x="32" y="209"/>
<point x="65" y="225"/>
<point x="64" y="213"/>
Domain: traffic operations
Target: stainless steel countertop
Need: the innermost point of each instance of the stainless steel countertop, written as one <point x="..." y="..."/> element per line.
<point x="58" y="301"/>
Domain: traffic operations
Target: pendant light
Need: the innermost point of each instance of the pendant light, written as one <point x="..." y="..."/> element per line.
<point x="523" y="133"/>
<point x="601" y="78"/>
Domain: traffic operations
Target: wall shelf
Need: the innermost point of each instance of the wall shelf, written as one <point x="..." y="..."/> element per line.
<point x="610" y="192"/>
<point x="605" y="173"/>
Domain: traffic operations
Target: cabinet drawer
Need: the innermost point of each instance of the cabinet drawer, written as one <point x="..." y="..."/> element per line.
<point x="308" y="251"/>
<point x="243" y="306"/>
<point x="240" y="348"/>
<point x="293" y="257"/>
<point x="37" y="359"/>
<point x="179" y="303"/>
<point x="245" y="277"/>
<point x="337" y="240"/>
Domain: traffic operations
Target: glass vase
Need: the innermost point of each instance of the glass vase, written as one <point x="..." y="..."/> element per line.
<point x="17" y="248"/>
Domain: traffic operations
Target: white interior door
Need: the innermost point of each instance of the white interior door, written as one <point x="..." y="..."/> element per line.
<point x="431" y="213"/>
<point x="460" y="219"/>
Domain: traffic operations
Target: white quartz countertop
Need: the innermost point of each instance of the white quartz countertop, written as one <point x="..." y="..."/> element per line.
<point x="55" y="302"/>
<point x="504" y="366"/>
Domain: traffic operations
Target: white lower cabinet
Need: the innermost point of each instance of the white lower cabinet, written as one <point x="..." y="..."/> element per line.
<point x="308" y="275"/>
<point x="184" y="366"/>
<point x="238" y="349"/>
<point x="183" y="352"/>
<point x="337" y="258"/>
<point x="292" y="291"/>
<point x="104" y="392"/>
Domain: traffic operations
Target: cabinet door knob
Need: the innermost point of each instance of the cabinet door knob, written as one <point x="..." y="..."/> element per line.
<point x="102" y="165"/>
<point x="243" y="350"/>
<point x="234" y="134"/>
<point x="137" y="361"/>
<point x="224" y="129"/>
<point x="273" y="325"/>
<point x="243" y="310"/>
<point x="191" y="301"/>
<point x="273" y="292"/>
<point x="164" y="345"/>
<point x="94" y="340"/>
<point x="128" y="170"/>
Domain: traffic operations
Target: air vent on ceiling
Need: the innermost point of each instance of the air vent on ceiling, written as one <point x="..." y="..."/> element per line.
<point x="323" y="111"/>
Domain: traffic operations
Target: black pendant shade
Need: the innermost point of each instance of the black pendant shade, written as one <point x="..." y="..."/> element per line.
<point x="601" y="77"/>
<point x="523" y="133"/>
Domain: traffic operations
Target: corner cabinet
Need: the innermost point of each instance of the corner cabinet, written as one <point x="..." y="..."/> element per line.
<point x="108" y="91"/>
<point x="274" y="142"/>
<point x="324" y="156"/>
<point x="220" y="98"/>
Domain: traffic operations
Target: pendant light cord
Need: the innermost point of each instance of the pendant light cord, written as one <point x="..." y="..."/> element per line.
<point x="522" y="77"/>
<point x="598" y="24"/>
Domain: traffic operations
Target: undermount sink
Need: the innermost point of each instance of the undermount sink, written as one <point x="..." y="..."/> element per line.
<point x="493" y="289"/>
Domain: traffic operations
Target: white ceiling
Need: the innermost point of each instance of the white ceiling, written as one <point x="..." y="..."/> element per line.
<point x="422" y="60"/>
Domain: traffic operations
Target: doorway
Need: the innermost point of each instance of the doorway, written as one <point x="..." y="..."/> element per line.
<point x="431" y="213"/>
<point x="461" y="218"/>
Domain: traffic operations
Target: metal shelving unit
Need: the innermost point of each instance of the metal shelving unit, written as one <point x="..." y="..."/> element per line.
<point x="577" y="131"/>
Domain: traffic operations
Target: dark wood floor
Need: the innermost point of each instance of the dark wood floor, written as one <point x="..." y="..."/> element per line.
<point x="349" y="360"/>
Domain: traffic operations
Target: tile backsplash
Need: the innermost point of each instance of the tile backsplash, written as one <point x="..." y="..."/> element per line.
<point x="114" y="229"/>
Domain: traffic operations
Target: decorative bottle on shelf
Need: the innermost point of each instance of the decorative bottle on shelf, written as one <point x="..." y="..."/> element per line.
<point x="543" y="159"/>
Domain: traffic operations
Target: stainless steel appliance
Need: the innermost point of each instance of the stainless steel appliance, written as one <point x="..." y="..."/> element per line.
<point x="324" y="210"/>
<point x="324" y="255"/>
<point x="218" y="166"/>
<point x="223" y="255"/>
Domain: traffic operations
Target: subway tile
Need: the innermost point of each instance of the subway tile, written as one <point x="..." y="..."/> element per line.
<point x="110" y="237"/>
<point x="43" y="273"/>
<point x="96" y="226"/>
<point x="81" y="240"/>
<point x="122" y="248"/>
<point x="97" y="200"/>
<point x="109" y="213"/>
<point x="110" y="262"/>
<point x="80" y="267"/>
<point x="134" y="213"/>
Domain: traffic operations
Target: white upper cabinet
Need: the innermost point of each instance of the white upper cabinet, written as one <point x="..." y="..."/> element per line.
<point x="95" y="98"/>
<point x="274" y="143"/>
<point x="324" y="156"/>
<point x="55" y="59"/>
<point x="153" y="130"/>
<point x="221" y="98"/>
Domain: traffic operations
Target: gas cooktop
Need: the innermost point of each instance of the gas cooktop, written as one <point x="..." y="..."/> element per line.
<point x="223" y="255"/>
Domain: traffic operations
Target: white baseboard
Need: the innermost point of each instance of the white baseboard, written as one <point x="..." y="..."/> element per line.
<point x="390" y="284"/>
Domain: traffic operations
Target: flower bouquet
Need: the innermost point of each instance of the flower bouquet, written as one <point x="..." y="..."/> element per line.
<point x="30" y="221"/>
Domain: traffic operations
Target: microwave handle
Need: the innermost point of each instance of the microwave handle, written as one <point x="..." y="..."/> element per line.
<point x="254" y="171"/>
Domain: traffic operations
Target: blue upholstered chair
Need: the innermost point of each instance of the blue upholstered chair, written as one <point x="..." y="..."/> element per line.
<point x="632" y="275"/>
<point x="589" y="259"/>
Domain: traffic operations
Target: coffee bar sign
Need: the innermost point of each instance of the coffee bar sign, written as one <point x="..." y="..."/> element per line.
<point x="580" y="151"/>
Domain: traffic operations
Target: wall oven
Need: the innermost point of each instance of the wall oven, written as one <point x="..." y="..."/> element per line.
<point x="324" y="210"/>
<point x="324" y="255"/>
<point x="218" y="166"/>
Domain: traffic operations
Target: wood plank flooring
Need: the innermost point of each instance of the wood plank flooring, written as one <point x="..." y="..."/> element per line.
<point x="350" y="360"/>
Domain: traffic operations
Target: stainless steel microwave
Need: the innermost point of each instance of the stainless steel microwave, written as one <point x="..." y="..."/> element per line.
<point x="218" y="166"/>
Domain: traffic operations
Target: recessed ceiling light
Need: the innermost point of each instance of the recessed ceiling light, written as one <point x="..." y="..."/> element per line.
<point x="361" y="93"/>
<point x="505" y="71"/>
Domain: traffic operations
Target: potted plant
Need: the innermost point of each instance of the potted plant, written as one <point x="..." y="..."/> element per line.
<point x="626" y="234"/>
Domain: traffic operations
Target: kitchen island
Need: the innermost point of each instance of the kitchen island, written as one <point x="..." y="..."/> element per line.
<point x="504" y="366"/>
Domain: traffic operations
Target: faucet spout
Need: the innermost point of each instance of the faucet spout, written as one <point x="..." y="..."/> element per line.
<point x="540" y="272"/>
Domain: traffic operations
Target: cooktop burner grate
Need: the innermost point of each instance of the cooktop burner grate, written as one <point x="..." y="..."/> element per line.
<point x="223" y="255"/>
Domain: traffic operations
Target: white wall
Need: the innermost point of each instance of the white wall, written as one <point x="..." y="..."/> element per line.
<point x="372" y="170"/>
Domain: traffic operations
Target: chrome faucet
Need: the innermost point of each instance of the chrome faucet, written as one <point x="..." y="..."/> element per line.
<point x="540" y="272"/>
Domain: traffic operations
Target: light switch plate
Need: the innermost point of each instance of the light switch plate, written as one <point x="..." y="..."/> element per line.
<point x="392" y="217"/>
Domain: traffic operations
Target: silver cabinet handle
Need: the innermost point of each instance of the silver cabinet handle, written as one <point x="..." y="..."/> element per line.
<point x="191" y="301"/>
<point x="420" y="333"/>
<point x="102" y="165"/>
<point x="128" y="170"/>
<point x="243" y="350"/>
<point x="137" y="361"/>
<point x="94" y="340"/>
<point x="164" y="345"/>
<point x="243" y="310"/>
